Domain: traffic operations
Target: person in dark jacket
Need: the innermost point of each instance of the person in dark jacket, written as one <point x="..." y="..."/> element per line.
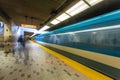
<point x="23" y="51"/>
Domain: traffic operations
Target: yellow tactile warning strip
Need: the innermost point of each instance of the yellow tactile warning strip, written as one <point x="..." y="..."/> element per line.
<point x="92" y="74"/>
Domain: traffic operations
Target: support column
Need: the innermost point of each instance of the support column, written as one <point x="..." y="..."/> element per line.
<point x="7" y="37"/>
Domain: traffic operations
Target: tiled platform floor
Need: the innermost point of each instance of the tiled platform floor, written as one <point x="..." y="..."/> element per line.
<point x="41" y="66"/>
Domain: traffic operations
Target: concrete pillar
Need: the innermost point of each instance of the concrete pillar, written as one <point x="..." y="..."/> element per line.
<point x="2" y="36"/>
<point x="8" y="37"/>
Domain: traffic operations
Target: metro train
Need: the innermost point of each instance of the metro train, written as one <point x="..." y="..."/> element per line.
<point x="96" y="39"/>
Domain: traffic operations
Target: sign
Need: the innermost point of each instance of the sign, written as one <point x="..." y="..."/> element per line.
<point x="29" y="26"/>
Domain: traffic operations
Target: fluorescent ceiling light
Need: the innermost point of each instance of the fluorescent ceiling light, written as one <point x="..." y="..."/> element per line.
<point x="41" y="30"/>
<point x="77" y="8"/>
<point x="44" y="28"/>
<point x="93" y="2"/>
<point x="54" y="22"/>
<point x="63" y="17"/>
<point x="28" y="29"/>
<point x="33" y="35"/>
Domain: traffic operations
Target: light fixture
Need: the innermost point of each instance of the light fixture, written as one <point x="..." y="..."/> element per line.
<point x="63" y="17"/>
<point x="77" y="8"/>
<point x="54" y="22"/>
<point x="44" y="28"/>
<point x="93" y="2"/>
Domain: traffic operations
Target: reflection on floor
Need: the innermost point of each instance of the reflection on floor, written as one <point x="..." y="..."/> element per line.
<point x="41" y="66"/>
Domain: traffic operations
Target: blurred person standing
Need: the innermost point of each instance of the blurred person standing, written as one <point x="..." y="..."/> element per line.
<point x="22" y="50"/>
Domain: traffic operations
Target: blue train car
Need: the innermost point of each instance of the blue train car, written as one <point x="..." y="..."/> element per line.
<point x="96" y="39"/>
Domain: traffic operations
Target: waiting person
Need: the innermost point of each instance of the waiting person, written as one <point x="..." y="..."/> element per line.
<point x="22" y="50"/>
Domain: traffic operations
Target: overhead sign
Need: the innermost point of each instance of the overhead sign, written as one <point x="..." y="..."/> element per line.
<point x="28" y="26"/>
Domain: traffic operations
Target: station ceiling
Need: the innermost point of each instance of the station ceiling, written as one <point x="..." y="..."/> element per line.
<point x="36" y="12"/>
<point x="40" y="12"/>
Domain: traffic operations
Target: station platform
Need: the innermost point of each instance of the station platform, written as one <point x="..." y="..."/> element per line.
<point x="41" y="66"/>
<point x="60" y="40"/>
